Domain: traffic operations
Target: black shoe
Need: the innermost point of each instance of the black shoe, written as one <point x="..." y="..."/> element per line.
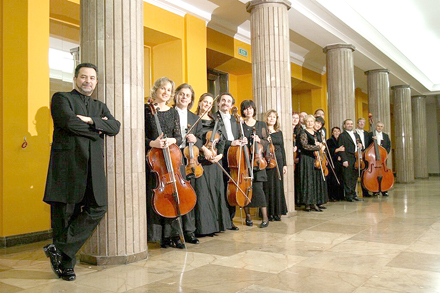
<point x="271" y="218"/>
<point x="264" y="224"/>
<point x="234" y="228"/>
<point x="358" y="199"/>
<point x="385" y="193"/>
<point x="55" y="258"/>
<point x="249" y="223"/>
<point x="68" y="274"/>
<point x="277" y="218"/>
<point x="322" y="207"/>
<point x="350" y="199"/>
<point x="191" y="238"/>
<point x="177" y="243"/>
<point x="166" y="242"/>
<point x="316" y="208"/>
<point x="376" y="194"/>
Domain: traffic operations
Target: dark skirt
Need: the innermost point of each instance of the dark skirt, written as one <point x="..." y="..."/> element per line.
<point x="212" y="214"/>
<point x="312" y="187"/>
<point x="258" y="196"/>
<point x="335" y="190"/>
<point x="274" y="190"/>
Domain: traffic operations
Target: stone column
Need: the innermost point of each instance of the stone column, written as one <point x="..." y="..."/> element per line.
<point x="379" y="101"/>
<point x="112" y="38"/>
<point x="340" y="83"/>
<point x="271" y="73"/>
<point x="420" y="134"/>
<point x="404" y="140"/>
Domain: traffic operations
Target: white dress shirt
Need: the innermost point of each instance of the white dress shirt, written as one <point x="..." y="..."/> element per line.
<point x="227" y="122"/>
<point x="183" y="115"/>
<point x="379" y="137"/>
<point x="361" y="134"/>
<point x="351" y="133"/>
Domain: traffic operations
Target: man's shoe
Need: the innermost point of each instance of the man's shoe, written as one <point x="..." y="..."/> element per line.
<point x="234" y="228"/>
<point x="385" y="193"/>
<point x="350" y="199"/>
<point x="177" y="243"/>
<point x="55" y="258"/>
<point x="191" y="238"/>
<point x="358" y="199"/>
<point x="68" y="274"/>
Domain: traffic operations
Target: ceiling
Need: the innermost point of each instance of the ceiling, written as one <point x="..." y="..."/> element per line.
<point x="400" y="35"/>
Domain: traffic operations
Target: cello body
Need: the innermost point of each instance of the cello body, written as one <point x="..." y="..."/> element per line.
<point x="239" y="171"/>
<point x="377" y="177"/>
<point x="164" y="202"/>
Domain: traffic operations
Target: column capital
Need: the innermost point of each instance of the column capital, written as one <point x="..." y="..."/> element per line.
<point x="376" y="71"/>
<point x="418" y="97"/>
<point x="402" y="86"/>
<point x="251" y="4"/>
<point x="338" y="46"/>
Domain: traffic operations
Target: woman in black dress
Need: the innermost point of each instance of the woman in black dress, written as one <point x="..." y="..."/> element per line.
<point x="259" y="199"/>
<point x="297" y="128"/>
<point x="335" y="189"/>
<point x="212" y="214"/>
<point x="311" y="183"/>
<point x="160" y="229"/>
<point x="320" y="136"/>
<point x="274" y="187"/>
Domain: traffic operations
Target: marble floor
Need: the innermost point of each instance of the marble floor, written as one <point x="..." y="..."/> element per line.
<point x="389" y="244"/>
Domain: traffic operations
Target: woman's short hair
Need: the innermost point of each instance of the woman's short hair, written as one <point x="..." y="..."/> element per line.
<point x="160" y="82"/>
<point x="185" y="86"/>
<point x="277" y="123"/>
<point x="320" y="120"/>
<point x="246" y="104"/>
<point x="309" y="117"/>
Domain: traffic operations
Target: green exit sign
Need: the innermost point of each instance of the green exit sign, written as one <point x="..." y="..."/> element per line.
<point x="242" y="52"/>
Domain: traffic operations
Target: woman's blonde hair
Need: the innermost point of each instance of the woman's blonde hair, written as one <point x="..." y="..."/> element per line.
<point x="309" y="116"/>
<point x="160" y="82"/>
<point x="277" y="123"/>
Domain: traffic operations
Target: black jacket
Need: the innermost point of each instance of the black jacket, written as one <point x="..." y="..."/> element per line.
<point x="350" y="147"/>
<point x="74" y="145"/>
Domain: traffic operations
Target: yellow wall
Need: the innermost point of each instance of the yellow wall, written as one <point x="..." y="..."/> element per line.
<point x="1" y="117"/>
<point x="361" y="104"/>
<point x="25" y="103"/>
<point x="167" y="60"/>
<point x="163" y="21"/>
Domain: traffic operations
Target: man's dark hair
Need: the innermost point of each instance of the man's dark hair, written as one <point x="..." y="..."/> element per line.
<point x="87" y="65"/>
<point x="225" y="94"/>
<point x="185" y="86"/>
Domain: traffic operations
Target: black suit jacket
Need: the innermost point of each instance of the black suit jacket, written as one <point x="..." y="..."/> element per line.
<point x="350" y="147"/>
<point x="74" y="145"/>
<point x="386" y="142"/>
<point x="192" y="118"/>
<point x="235" y="131"/>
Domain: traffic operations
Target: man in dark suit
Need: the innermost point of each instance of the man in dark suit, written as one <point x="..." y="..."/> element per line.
<point x="231" y="134"/>
<point x="183" y="100"/>
<point x="351" y="142"/>
<point x="365" y="139"/>
<point x="383" y="140"/>
<point x="76" y="186"/>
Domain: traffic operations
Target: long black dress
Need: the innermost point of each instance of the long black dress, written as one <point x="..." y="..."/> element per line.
<point x="296" y="132"/>
<point x="159" y="227"/>
<point x="212" y="214"/>
<point x="312" y="189"/>
<point x="273" y="187"/>
<point x="258" y="196"/>
<point x="335" y="190"/>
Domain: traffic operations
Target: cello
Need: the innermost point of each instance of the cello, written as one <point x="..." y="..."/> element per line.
<point x="241" y="171"/>
<point x="173" y="196"/>
<point x="377" y="177"/>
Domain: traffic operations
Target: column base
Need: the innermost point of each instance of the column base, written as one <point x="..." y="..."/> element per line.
<point x="113" y="260"/>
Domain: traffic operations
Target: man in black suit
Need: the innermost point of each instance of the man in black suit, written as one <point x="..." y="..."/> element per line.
<point x="351" y="142"/>
<point x="184" y="100"/>
<point x="76" y="187"/>
<point x="231" y="134"/>
<point x="365" y="139"/>
<point x="383" y="140"/>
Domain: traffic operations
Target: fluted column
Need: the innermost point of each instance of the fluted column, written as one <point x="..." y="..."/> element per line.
<point x="404" y="139"/>
<point x="271" y="73"/>
<point x="340" y="83"/>
<point x="420" y="134"/>
<point x="379" y="101"/>
<point x="112" y="38"/>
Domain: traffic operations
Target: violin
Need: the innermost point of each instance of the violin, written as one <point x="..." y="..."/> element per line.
<point x="377" y="177"/>
<point x="193" y="167"/>
<point x="173" y="196"/>
<point x="258" y="160"/>
<point x="239" y="191"/>
<point x="213" y="137"/>
<point x="271" y="158"/>
<point x="360" y="163"/>
<point x="321" y="162"/>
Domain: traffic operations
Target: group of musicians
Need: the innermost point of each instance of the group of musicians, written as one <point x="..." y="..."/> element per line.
<point x="214" y="133"/>
<point x="313" y="185"/>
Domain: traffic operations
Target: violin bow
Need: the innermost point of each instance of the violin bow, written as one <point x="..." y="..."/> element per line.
<point x="233" y="181"/>
<point x="329" y="158"/>
<point x="320" y="162"/>
<point x="269" y="138"/>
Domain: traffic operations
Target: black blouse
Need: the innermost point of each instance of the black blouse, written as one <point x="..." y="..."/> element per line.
<point x="169" y="123"/>
<point x="308" y="143"/>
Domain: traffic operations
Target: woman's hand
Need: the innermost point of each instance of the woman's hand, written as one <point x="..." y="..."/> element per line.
<point x="216" y="158"/>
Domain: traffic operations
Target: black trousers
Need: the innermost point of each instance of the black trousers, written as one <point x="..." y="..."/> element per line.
<point x="73" y="224"/>
<point x="350" y="175"/>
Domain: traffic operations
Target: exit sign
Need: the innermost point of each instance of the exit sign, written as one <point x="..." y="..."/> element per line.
<point x="242" y="52"/>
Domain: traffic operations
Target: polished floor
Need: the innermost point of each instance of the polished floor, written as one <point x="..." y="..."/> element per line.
<point x="380" y="245"/>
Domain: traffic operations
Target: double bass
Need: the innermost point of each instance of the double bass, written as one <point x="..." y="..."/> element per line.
<point x="173" y="196"/>
<point x="239" y="193"/>
<point x="377" y="177"/>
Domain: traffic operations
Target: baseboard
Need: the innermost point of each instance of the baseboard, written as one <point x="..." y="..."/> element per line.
<point x="27" y="238"/>
<point x="434" y="174"/>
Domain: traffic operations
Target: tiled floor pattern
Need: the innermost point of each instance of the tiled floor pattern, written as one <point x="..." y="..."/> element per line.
<point x="380" y="245"/>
